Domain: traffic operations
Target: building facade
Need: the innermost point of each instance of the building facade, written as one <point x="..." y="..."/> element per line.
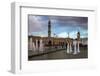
<point x="49" y="41"/>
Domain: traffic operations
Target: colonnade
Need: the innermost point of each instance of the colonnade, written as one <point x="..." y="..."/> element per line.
<point x="72" y="46"/>
<point x="34" y="46"/>
<point x="75" y="45"/>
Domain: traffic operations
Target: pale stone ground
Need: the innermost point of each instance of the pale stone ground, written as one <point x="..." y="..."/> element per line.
<point x="60" y="54"/>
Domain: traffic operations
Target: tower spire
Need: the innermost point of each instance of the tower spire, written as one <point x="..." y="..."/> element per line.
<point x="49" y="28"/>
<point x="78" y="35"/>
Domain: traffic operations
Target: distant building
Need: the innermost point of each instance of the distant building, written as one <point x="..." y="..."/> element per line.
<point x="84" y="41"/>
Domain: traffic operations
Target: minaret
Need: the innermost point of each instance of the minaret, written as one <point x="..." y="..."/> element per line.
<point x="49" y="28"/>
<point x="78" y="36"/>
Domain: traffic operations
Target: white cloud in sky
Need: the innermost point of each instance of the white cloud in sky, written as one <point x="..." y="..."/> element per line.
<point x="63" y="34"/>
<point x="73" y="34"/>
<point x="42" y="34"/>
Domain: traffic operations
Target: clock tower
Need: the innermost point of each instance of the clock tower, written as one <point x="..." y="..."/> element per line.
<point x="49" y="28"/>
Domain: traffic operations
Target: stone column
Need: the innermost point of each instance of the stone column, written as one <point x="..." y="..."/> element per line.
<point x="74" y="43"/>
<point x="68" y="48"/>
<point x="78" y="48"/>
<point x="36" y="44"/>
<point x="41" y="45"/>
<point x="30" y="44"/>
<point x="33" y="49"/>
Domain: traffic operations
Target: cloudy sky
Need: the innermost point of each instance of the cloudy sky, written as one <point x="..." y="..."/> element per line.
<point x="60" y="25"/>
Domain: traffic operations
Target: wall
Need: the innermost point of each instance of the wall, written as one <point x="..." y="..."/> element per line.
<point x="5" y="36"/>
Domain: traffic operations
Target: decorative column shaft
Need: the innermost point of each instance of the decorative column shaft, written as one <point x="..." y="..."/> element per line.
<point x="36" y="44"/>
<point x="41" y="45"/>
<point x="78" y="48"/>
<point x="74" y="43"/>
<point x="68" y="48"/>
<point x="30" y="44"/>
<point x="33" y="47"/>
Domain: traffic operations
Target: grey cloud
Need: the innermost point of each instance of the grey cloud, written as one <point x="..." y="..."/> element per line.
<point x="36" y="24"/>
<point x="39" y="23"/>
<point x="64" y="21"/>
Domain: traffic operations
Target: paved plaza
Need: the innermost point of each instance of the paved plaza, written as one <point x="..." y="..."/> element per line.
<point x="58" y="54"/>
